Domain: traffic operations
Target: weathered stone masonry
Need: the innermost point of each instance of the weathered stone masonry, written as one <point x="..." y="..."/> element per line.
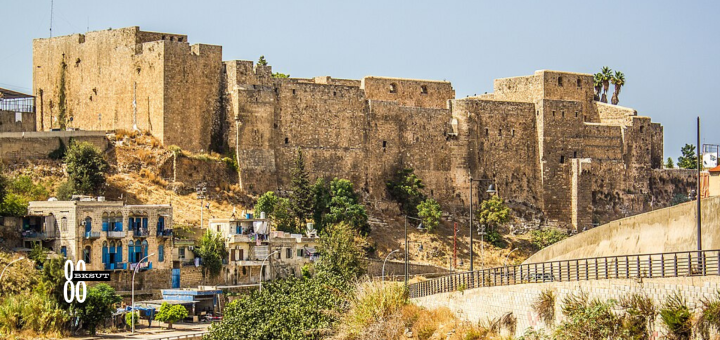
<point x="542" y="138"/>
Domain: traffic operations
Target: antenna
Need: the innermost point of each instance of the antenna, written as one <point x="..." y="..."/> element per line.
<point x="51" y="16"/>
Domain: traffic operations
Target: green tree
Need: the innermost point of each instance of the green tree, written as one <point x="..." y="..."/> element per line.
<point x="212" y="251"/>
<point x="171" y="314"/>
<point x="18" y="193"/>
<point x="266" y="203"/>
<point x="283" y="217"/>
<point x="405" y="188"/>
<point x="493" y="213"/>
<point x="321" y="202"/>
<point x="618" y="79"/>
<point x="344" y="207"/>
<point x="598" y="83"/>
<point x="430" y="213"/>
<point x="340" y="254"/>
<point x="65" y="191"/>
<point x="52" y="277"/>
<point x="98" y="306"/>
<point x="606" y="77"/>
<point x="301" y="198"/>
<point x="86" y="168"/>
<point x="669" y="164"/>
<point x="689" y="159"/>
<point x="544" y="237"/>
<point x="280" y="75"/>
<point x="262" y="61"/>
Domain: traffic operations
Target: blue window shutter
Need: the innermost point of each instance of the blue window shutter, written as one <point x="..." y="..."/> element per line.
<point x="118" y="257"/>
<point x="105" y="254"/>
<point x="104" y="226"/>
<point x="118" y="225"/>
<point x="130" y="253"/>
<point x="131" y="223"/>
<point x="161" y="253"/>
<point x="144" y="248"/>
<point x="145" y="223"/>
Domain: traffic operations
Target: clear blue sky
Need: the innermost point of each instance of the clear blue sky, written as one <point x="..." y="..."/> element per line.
<point x="668" y="50"/>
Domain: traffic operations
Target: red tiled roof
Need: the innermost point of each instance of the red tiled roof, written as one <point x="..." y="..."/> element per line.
<point x="715" y="169"/>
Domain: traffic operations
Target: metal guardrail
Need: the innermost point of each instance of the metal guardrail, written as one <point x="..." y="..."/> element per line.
<point x="676" y="264"/>
<point x="185" y="336"/>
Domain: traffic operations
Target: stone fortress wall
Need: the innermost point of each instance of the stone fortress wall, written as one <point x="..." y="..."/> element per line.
<point x="542" y="138"/>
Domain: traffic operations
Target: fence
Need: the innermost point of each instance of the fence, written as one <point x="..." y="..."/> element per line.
<point x="193" y="336"/>
<point x="677" y="264"/>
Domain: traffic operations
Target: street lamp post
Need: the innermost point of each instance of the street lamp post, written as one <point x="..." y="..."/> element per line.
<point x="8" y="265"/>
<point x="137" y="266"/>
<point x="201" y="190"/>
<point x="490" y="190"/>
<point x="407" y="253"/>
<point x="508" y="255"/>
<point x="263" y="264"/>
<point x="386" y="258"/>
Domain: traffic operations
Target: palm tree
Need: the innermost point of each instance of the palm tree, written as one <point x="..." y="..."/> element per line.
<point x="618" y="80"/>
<point x="606" y="76"/>
<point x="597" y="81"/>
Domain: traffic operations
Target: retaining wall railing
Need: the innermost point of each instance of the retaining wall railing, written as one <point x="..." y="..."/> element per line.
<point x="677" y="264"/>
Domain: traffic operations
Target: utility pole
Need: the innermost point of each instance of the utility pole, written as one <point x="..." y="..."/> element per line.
<point x="201" y="190"/>
<point x="699" y="191"/>
<point x="455" y="245"/>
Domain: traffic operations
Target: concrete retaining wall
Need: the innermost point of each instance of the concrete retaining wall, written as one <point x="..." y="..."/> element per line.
<point x="37" y="145"/>
<point x="664" y="230"/>
<point x="493" y="302"/>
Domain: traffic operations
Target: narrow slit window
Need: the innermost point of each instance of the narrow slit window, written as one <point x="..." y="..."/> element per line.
<point x="487" y="132"/>
<point x="512" y="133"/>
<point x="393" y="88"/>
<point x="423" y="89"/>
<point x="287" y="140"/>
<point x="384" y="144"/>
<point x="562" y="159"/>
<point x="500" y="132"/>
<point x="574" y="154"/>
<point x="579" y="83"/>
<point x="560" y="81"/>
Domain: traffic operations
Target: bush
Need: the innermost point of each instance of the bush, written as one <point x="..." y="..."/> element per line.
<point x="640" y="313"/>
<point x="132" y="317"/>
<point x="585" y="319"/>
<point x="212" y="250"/>
<point x="98" y="306"/>
<point x="495" y="238"/>
<point x="19" y="192"/>
<point x="430" y="213"/>
<point x="373" y="301"/>
<point x="266" y="203"/>
<point x="86" y="168"/>
<point x="65" y="191"/>
<point x="171" y="314"/>
<point x="405" y="188"/>
<point x="545" y="237"/>
<point x="709" y="318"/>
<point x="676" y="317"/>
<point x="544" y="306"/>
<point x="32" y="312"/>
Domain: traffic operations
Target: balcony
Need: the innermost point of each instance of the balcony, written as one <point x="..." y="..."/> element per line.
<point x="165" y="233"/>
<point x="92" y="234"/>
<point x="116" y="234"/>
<point x="237" y="238"/>
<point x="141" y="266"/>
<point x="140" y="233"/>
<point x="116" y="266"/>
<point x="32" y="234"/>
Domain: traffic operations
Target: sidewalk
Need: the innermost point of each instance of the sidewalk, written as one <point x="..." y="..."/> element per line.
<point x="179" y="330"/>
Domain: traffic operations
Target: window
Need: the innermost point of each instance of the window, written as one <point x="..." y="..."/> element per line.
<point x="641" y="129"/>
<point x="500" y="132"/>
<point x="63" y="250"/>
<point x="574" y="154"/>
<point x="105" y="222"/>
<point x="63" y="224"/>
<point x="393" y="88"/>
<point x="144" y="249"/>
<point x="293" y="91"/>
<point x="423" y="89"/>
<point x="562" y="159"/>
<point x="277" y="256"/>
<point x="241" y="254"/>
<point x="288" y="253"/>
<point x="579" y="83"/>
<point x="88" y="224"/>
<point x="86" y="254"/>
<point x="180" y="39"/>
<point x="576" y="114"/>
<point x="287" y="140"/>
<point x="105" y="252"/>
<point x="553" y="113"/>
<point x="244" y="271"/>
<point x="560" y="83"/>
<point x="563" y="114"/>
<point x="512" y="132"/>
<point x="161" y="253"/>
<point x="299" y="253"/>
<point x="131" y="251"/>
<point x="181" y="253"/>
<point x="384" y="144"/>
<point x="487" y="132"/>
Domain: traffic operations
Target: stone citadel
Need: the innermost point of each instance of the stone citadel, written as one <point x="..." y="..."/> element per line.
<point x="542" y="138"/>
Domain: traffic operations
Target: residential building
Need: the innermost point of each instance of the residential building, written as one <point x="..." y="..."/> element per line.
<point x="107" y="235"/>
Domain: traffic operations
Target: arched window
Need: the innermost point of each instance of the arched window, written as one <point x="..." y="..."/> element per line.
<point x="161" y="253"/>
<point x="118" y="251"/>
<point x="105" y="222"/>
<point x="88" y="224"/>
<point x="111" y="222"/>
<point x="160" y="225"/>
<point x="560" y="83"/>
<point x="105" y="257"/>
<point x="63" y="224"/>
<point x="86" y="254"/>
<point x="131" y="251"/>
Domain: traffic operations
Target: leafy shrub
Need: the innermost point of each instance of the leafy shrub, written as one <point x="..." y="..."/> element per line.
<point x="32" y="312"/>
<point x="676" y="317"/>
<point x="65" y="191"/>
<point x="405" y="188"/>
<point x="86" y="168"/>
<point x="20" y="192"/>
<point x="266" y="203"/>
<point x="495" y="238"/>
<point x="373" y="301"/>
<point x="493" y="212"/>
<point x="171" y="313"/>
<point x="545" y="237"/>
<point x="132" y="317"/>
<point x="709" y="318"/>
<point x="231" y="162"/>
<point x="98" y="306"/>
<point x="640" y="313"/>
<point x="430" y="213"/>
<point x="679" y="199"/>
<point x="544" y="306"/>
<point x="58" y="153"/>
<point x="587" y="319"/>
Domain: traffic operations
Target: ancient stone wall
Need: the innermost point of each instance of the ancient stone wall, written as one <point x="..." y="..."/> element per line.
<point x="11" y="121"/>
<point x="37" y="145"/>
<point x="409" y="92"/>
